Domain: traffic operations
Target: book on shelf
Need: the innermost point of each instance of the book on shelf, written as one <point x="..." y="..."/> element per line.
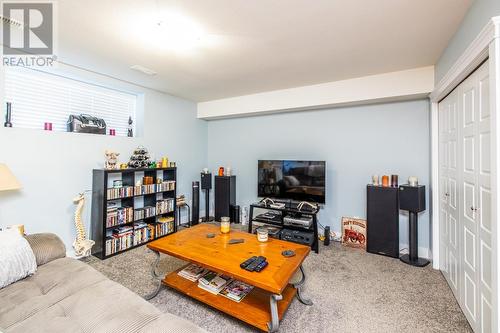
<point x="192" y="272"/>
<point x="168" y="185"/>
<point x="120" y="192"/>
<point x="142" y="233"/>
<point x="236" y="290"/>
<point x="118" y="215"/>
<point x="119" y="239"/>
<point x="213" y="282"/>
<point x="165" y="225"/>
<point x="165" y="206"/>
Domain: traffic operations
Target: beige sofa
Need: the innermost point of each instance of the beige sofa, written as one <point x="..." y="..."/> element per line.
<point x="67" y="295"/>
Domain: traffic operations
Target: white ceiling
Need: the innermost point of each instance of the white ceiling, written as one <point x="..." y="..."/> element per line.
<point x="256" y="45"/>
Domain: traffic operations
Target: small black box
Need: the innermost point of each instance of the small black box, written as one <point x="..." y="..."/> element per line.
<point x="412" y="198"/>
<point x="206" y="181"/>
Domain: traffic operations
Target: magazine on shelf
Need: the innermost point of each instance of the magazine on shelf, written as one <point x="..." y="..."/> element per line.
<point x="236" y="290"/>
<point x="213" y="282"/>
<point x="192" y="272"/>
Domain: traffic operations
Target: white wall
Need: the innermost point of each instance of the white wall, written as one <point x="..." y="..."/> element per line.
<point x="54" y="167"/>
<point x="476" y="18"/>
<point x="356" y="142"/>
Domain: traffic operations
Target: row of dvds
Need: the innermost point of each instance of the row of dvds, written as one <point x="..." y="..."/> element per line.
<point x="129" y="191"/>
<point x="164" y="226"/>
<point x="165" y="186"/>
<point x="143" y="232"/>
<point x="165" y="206"/>
<point x="144" y="189"/>
<point x="125" y="237"/>
<point x="120" y="215"/>
<point x="142" y="213"/>
<point x="120" y="192"/>
<point x="120" y="239"/>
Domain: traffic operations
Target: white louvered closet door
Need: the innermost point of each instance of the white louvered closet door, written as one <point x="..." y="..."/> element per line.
<point x="448" y="121"/>
<point x="466" y="226"/>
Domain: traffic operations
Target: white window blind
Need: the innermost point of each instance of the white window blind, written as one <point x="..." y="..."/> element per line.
<point x="38" y="97"/>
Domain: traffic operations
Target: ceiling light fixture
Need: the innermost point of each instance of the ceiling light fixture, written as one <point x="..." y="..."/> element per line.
<point x="175" y="31"/>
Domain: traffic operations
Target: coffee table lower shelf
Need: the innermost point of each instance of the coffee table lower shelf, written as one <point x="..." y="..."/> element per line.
<point x="254" y="309"/>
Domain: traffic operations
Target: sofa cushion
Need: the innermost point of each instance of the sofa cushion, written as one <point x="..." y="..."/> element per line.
<point x="67" y="295"/>
<point x="16" y="257"/>
<point x="52" y="283"/>
<point x="46" y="247"/>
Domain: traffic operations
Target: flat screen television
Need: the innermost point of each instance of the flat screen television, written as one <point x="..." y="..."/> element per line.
<point x="293" y="180"/>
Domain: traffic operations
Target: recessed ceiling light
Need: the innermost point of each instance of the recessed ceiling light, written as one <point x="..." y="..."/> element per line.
<point x="142" y="69"/>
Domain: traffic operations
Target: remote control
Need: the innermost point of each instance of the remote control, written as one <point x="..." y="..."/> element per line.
<point x="261" y="266"/>
<point x="236" y="241"/>
<point x="255" y="263"/>
<point x="247" y="262"/>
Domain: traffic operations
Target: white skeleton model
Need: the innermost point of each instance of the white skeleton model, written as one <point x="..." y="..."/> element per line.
<point x="81" y="245"/>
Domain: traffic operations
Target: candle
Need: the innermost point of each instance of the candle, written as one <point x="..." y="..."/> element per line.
<point x="385" y="181"/>
<point x="225" y="225"/>
<point x="413" y="181"/>
<point x="394" y="180"/>
<point x="262" y="234"/>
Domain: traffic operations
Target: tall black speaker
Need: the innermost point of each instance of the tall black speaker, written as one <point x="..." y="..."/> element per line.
<point x="382" y="225"/>
<point x="195" y="206"/>
<point x="225" y="196"/>
<point x="206" y="185"/>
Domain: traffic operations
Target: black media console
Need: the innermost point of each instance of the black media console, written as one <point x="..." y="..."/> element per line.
<point x="297" y="225"/>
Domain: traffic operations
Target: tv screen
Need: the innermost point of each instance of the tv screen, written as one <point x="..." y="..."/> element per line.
<point x="294" y="180"/>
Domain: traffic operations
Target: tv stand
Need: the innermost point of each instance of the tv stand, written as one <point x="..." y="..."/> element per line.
<point x="275" y="218"/>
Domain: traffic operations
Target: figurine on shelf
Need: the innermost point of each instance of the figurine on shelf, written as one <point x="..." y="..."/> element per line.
<point x="140" y="158"/>
<point x="111" y="160"/>
<point x="164" y="162"/>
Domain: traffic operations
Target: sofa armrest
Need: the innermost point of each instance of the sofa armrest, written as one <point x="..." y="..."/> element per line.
<point x="46" y="247"/>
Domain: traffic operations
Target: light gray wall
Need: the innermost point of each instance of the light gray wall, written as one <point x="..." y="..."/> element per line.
<point x="476" y="18"/>
<point x="356" y="142"/>
<point x="54" y="167"/>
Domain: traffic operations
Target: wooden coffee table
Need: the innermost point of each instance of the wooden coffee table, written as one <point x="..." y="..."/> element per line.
<point x="266" y="304"/>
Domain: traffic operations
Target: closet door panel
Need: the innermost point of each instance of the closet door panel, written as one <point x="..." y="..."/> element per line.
<point x="485" y="258"/>
<point x="468" y="217"/>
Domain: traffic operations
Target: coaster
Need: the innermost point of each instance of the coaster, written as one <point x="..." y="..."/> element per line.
<point x="288" y="253"/>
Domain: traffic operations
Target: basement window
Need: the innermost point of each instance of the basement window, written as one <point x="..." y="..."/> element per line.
<point x="42" y="100"/>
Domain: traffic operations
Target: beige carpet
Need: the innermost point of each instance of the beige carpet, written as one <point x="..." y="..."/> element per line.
<point x="352" y="291"/>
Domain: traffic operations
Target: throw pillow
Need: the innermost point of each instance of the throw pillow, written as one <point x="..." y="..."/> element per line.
<point x="17" y="260"/>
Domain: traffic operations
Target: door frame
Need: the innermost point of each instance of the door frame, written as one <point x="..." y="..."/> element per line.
<point x="485" y="45"/>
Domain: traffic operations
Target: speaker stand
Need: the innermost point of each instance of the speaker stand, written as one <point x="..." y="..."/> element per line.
<point x="412" y="258"/>
<point x="207" y="206"/>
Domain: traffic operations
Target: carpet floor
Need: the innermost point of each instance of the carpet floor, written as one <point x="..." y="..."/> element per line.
<point x="352" y="291"/>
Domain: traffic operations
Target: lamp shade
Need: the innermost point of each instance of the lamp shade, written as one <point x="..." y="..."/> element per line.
<point x="7" y="179"/>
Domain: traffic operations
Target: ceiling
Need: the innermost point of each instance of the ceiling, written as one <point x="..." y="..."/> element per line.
<point x="255" y="46"/>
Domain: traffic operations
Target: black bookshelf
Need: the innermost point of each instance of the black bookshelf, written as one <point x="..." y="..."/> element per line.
<point x="103" y="180"/>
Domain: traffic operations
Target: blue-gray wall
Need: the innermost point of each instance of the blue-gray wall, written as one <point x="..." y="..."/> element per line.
<point x="356" y="142"/>
<point x="476" y="18"/>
